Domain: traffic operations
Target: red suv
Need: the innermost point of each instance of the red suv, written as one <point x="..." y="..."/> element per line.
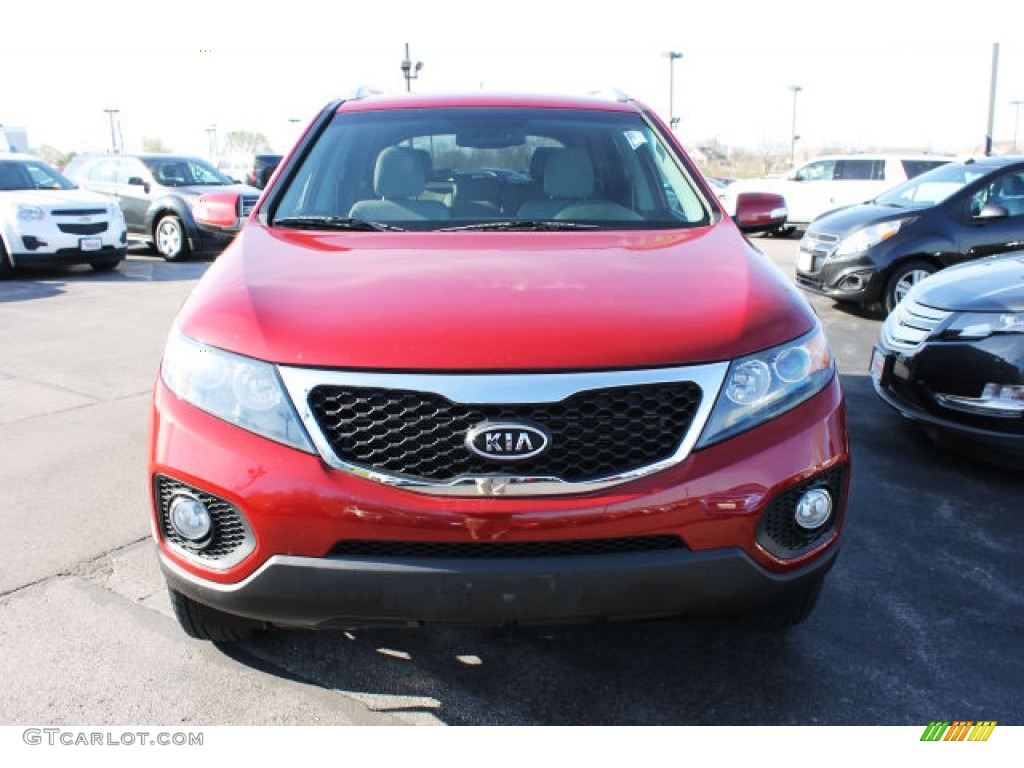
<point x="494" y="360"/>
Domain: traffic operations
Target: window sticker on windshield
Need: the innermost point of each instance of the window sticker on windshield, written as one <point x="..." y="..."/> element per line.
<point x="636" y="139"/>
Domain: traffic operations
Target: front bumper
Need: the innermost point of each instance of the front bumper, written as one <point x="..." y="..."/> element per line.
<point x="907" y="382"/>
<point x="108" y="254"/>
<point x="356" y="592"/>
<point x="299" y="511"/>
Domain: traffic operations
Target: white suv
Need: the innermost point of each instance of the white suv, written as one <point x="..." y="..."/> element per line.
<point x="46" y="219"/>
<point x="832" y="181"/>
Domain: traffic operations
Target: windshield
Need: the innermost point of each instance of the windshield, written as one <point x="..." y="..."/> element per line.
<point x="491" y="168"/>
<point x="931" y="188"/>
<point x="31" y="174"/>
<point x="184" y="172"/>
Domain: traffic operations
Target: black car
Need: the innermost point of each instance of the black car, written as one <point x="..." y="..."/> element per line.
<point x="951" y="357"/>
<point x="263" y="167"/>
<point x="875" y="251"/>
<point x="158" y="192"/>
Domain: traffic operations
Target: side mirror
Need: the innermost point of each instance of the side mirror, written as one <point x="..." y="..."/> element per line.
<point x="991" y="211"/>
<point x="217" y="210"/>
<point x="760" y="211"/>
<point x="138" y="181"/>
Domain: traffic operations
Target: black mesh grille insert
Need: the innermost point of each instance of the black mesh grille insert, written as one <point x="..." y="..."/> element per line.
<point x="594" y="434"/>
<point x="489" y="549"/>
<point x="231" y="540"/>
<point x="83" y="229"/>
<point x="777" y="530"/>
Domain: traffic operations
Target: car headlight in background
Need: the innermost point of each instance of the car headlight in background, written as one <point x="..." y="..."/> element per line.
<point x="981" y="325"/>
<point x="868" y="237"/>
<point x="761" y="386"/>
<point x="240" y="390"/>
<point x="31" y="213"/>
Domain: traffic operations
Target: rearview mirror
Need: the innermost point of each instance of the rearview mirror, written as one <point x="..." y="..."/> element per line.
<point x="760" y="211"/>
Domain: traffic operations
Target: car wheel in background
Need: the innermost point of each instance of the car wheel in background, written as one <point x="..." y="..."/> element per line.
<point x="169" y="238"/>
<point x="903" y="278"/>
<point x="5" y="263"/>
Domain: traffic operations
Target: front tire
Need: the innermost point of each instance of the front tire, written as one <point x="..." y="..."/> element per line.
<point x="903" y="278"/>
<point x="205" y="623"/>
<point x="104" y="266"/>
<point x="170" y="239"/>
<point x="6" y="267"/>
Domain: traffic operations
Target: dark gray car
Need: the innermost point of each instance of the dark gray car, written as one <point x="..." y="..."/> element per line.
<point x="157" y="193"/>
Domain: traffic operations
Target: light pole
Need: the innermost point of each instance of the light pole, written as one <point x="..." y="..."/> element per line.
<point x="113" y="134"/>
<point x="792" y="144"/>
<point x="992" y="99"/>
<point x="211" y="140"/>
<point x="409" y="71"/>
<point x="673" y="121"/>
<point x="1016" y="120"/>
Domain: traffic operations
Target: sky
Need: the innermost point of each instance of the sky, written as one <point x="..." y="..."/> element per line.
<point x="872" y="73"/>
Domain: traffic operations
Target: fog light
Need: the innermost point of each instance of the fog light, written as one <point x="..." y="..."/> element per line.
<point x="813" y="509"/>
<point x="191" y="520"/>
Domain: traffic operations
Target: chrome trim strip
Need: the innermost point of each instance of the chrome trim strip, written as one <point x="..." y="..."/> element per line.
<point x="499" y="389"/>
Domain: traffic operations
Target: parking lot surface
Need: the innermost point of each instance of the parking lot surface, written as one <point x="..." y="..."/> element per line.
<point x="922" y="618"/>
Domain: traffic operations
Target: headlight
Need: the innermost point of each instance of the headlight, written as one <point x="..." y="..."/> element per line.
<point x="762" y="386"/>
<point x="981" y="325"/>
<point x="31" y="213"/>
<point x="868" y="237"/>
<point x="240" y="390"/>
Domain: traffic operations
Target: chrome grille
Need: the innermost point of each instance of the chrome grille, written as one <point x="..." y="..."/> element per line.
<point x="79" y="211"/>
<point x="411" y="430"/>
<point x="815" y="247"/>
<point x="910" y="324"/>
<point x="420" y="435"/>
<point x="246" y="203"/>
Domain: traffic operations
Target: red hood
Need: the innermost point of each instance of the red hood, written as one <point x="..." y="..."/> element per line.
<point x="493" y="300"/>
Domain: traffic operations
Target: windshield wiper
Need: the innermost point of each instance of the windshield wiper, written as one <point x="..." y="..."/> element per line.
<point x="335" y="222"/>
<point x="516" y="226"/>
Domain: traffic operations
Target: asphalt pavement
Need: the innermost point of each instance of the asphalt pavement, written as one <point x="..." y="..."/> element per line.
<point x="922" y="618"/>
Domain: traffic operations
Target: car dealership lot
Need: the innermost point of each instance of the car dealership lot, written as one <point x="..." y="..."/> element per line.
<point x="922" y="618"/>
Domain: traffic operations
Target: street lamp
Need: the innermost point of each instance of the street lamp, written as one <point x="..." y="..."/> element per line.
<point x="113" y="134"/>
<point x="409" y="71"/>
<point x="211" y="139"/>
<point x="673" y="121"/>
<point x="1016" y="120"/>
<point x="792" y="144"/>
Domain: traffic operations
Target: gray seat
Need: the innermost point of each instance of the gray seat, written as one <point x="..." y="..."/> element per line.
<point x="1009" y="193"/>
<point x="172" y="174"/>
<point x="569" y="192"/>
<point x="475" y="197"/>
<point x="398" y="178"/>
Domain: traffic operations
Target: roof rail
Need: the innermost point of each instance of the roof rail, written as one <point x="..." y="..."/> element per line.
<point x="612" y="94"/>
<point x="364" y="91"/>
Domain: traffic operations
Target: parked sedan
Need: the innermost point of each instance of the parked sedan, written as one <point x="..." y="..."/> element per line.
<point x="876" y="251"/>
<point x="951" y="357"/>
<point x="158" y="194"/>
